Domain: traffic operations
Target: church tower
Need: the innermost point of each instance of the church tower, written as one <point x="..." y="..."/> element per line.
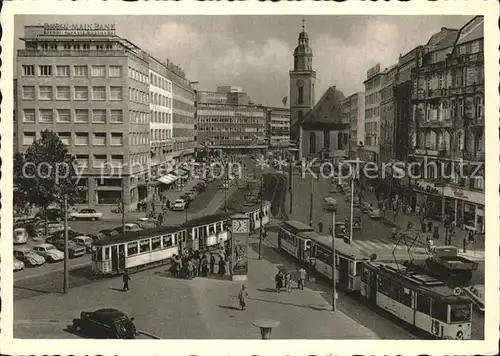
<point x="302" y="80"/>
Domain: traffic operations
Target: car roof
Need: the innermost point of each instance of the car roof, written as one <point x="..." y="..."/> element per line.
<point x="22" y="249"/>
<point x="43" y="245"/>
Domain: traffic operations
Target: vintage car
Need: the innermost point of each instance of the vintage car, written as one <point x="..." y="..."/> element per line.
<point x="86" y="214"/>
<point x="85" y="241"/>
<point x="146" y="223"/>
<point x="28" y="257"/>
<point x="178" y="205"/>
<point x="128" y="227"/>
<point x="53" y="214"/>
<point x="374" y="213"/>
<point x="366" y="207"/>
<point x="74" y="250"/>
<point x="20" y="236"/>
<point x="49" y="252"/>
<point x="18" y="265"/>
<point x="106" y="324"/>
<point x="476" y="295"/>
<point x="58" y="235"/>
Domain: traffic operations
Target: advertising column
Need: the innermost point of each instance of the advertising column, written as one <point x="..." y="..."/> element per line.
<point x="240" y="228"/>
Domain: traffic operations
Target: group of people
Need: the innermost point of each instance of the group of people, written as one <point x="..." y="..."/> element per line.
<point x="284" y="279"/>
<point x="198" y="263"/>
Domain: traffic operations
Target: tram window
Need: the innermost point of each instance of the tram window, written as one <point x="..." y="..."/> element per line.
<point x="405" y="296"/>
<point x="107" y="253"/>
<point x="218" y="227"/>
<point x="356" y="269"/>
<point x="96" y="254"/>
<point x="132" y="248"/>
<point x="337" y="261"/>
<point x="424" y="304"/>
<point x="364" y="274"/>
<point x="211" y="229"/>
<point x="393" y="292"/>
<point x="460" y="313"/>
<point x="351" y="268"/>
<point x="323" y="255"/>
<point x="383" y="285"/>
<point x="439" y="310"/>
<point x="144" y="245"/>
<point x="155" y="243"/>
<point x="167" y="240"/>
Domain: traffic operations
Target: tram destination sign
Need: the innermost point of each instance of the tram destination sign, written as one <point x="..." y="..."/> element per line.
<point x="92" y="29"/>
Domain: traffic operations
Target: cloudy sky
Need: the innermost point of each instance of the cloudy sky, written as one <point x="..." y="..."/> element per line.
<point x="256" y="52"/>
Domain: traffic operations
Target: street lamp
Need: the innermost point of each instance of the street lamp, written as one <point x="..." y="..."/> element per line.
<point x="266" y="327"/>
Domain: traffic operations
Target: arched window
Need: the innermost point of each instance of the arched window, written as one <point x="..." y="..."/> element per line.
<point x="300" y="99"/>
<point x="460" y="141"/>
<point x="339" y="141"/>
<point x="312" y="143"/>
<point x="300" y="115"/>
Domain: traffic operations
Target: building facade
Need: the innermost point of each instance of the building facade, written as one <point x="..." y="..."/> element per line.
<point x="302" y="84"/>
<point x="354" y="113"/>
<point x="278" y="127"/>
<point x="386" y="142"/>
<point x="229" y="121"/>
<point x="448" y="123"/>
<point x="373" y="86"/>
<point x="92" y="88"/>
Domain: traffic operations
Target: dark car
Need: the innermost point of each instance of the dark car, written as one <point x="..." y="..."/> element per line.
<point x="53" y="214"/>
<point x="71" y="234"/>
<point x="106" y="324"/>
<point x="74" y="250"/>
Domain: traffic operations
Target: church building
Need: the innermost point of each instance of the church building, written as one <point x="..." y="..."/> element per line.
<point x="316" y="127"/>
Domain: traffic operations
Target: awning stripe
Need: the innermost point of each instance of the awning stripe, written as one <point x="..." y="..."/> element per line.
<point x="168" y="179"/>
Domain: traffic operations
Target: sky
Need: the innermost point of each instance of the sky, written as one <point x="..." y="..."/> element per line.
<point x="256" y="52"/>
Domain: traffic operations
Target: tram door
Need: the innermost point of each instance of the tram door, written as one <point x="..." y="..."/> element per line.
<point x="343" y="272"/>
<point x="372" y="282"/>
<point x="121" y="260"/>
<point x="114" y="258"/>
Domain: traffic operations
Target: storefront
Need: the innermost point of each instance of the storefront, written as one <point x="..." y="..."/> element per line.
<point x="468" y="207"/>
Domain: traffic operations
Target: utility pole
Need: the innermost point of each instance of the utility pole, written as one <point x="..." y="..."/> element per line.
<point x="66" y="257"/>
<point x="225" y="185"/>
<point x="311" y="204"/>
<point x="123" y="203"/>
<point x="334" y="285"/>
<point x="260" y="214"/>
<point x="290" y="183"/>
<point x="352" y="211"/>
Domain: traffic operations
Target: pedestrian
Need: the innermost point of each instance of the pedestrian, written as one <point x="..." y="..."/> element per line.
<point x="471" y="236"/>
<point x="394" y="233"/>
<point x="417" y="209"/>
<point x="153" y="207"/>
<point x="429" y="226"/>
<point x="190" y="269"/>
<point x="160" y="218"/>
<point x="288" y="282"/>
<point x="242" y="296"/>
<point x="177" y="266"/>
<point x="168" y="204"/>
<point x="278" y="279"/>
<point x="204" y="266"/>
<point x="302" y="278"/>
<point x="222" y="268"/>
<point x="126" y="279"/>
<point x="320" y="227"/>
<point x="212" y="263"/>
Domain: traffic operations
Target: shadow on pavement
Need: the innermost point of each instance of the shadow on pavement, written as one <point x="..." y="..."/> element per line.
<point x="36" y="290"/>
<point x="270" y="290"/>
<point x="268" y="253"/>
<point x="312" y="307"/>
<point x="116" y="289"/>
<point x="84" y="272"/>
<point x="228" y="307"/>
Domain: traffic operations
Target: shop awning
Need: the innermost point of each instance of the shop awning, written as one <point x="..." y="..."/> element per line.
<point x="168" y="179"/>
<point x="181" y="173"/>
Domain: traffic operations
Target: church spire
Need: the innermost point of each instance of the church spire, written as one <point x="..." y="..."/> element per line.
<point x="303" y="25"/>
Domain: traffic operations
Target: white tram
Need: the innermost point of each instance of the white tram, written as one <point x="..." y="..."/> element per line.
<point x="254" y="214"/>
<point x="206" y="231"/>
<point x="136" y="249"/>
<point x="418" y="299"/>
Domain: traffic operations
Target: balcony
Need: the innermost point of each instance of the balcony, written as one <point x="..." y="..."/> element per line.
<point x="71" y="53"/>
<point x="436" y="124"/>
<point x="436" y="93"/>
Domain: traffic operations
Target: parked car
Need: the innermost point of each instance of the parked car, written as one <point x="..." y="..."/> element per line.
<point x="28" y="257"/>
<point x="18" y="265"/>
<point x="366" y="207"/>
<point x="86" y="214"/>
<point x="84" y="241"/>
<point x="146" y="223"/>
<point x="375" y="213"/>
<point x="476" y="295"/>
<point x="19" y="236"/>
<point x="128" y="227"/>
<point x="59" y="235"/>
<point x="186" y="197"/>
<point x="179" y="205"/>
<point x="106" y="323"/>
<point x="53" y="214"/>
<point x="74" y="250"/>
<point x="49" y="252"/>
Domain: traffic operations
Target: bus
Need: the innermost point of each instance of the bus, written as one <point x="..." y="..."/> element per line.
<point x="418" y="299"/>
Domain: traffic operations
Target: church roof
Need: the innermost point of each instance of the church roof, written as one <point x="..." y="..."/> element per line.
<point x="327" y="112"/>
<point x="302" y="49"/>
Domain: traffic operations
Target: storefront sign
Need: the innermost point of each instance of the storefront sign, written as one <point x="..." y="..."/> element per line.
<point x="373" y="70"/>
<point x="240" y="254"/>
<point x="93" y="29"/>
<point x="473" y="197"/>
<point x="459" y="194"/>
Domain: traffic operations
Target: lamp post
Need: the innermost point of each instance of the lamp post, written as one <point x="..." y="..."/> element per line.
<point x="311" y="203"/>
<point x="334" y="281"/>
<point x="66" y="262"/>
<point x="266" y="327"/>
<point x="260" y="215"/>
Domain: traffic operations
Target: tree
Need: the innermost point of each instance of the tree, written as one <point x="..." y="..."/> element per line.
<point x="45" y="174"/>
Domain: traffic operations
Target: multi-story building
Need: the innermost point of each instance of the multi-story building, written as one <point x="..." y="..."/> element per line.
<point x="354" y="115"/>
<point x="386" y="142"/>
<point x="278" y="127"/>
<point x="373" y="85"/>
<point x="448" y="123"/>
<point x="14" y="115"/>
<point x="74" y="80"/>
<point x="229" y="121"/>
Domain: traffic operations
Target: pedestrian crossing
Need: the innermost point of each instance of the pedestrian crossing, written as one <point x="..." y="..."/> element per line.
<point x="382" y="244"/>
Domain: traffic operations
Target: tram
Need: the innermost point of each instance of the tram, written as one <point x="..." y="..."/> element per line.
<point x="418" y="299"/>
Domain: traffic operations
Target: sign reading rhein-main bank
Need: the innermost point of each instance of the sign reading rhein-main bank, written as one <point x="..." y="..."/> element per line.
<point x="92" y="29"/>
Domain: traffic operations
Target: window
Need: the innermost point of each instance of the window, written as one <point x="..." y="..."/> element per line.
<point x="155" y="243"/>
<point x="116" y="116"/>
<point x="323" y="255"/>
<point x="44" y="71"/>
<point x="28" y="70"/>
<point x="116" y="139"/>
<point x="98" y="93"/>
<point x="115" y="71"/>
<point x="478" y="107"/>
<point x="29" y="115"/>
<point x="312" y="143"/>
<point x="144" y="245"/>
<point x="439" y="310"/>
<point x="132" y="248"/>
<point x="167" y="240"/>
<point x="62" y="71"/>
<point x="81" y="71"/>
<point x="405" y="296"/>
<point x="475" y="47"/>
<point x="326" y="138"/>
<point x="99" y="139"/>
<point x="28" y="92"/>
<point x="117" y="160"/>
<point x="99" y="116"/>
<point x="63" y="93"/>
<point x="46" y="116"/>
<point x="63" y="116"/>
<point x="100" y="161"/>
<point x="81" y="115"/>
<point x="424" y="304"/>
<point x="98" y="71"/>
<point x="82" y="160"/>
<point x="65" y="138"/>
<point x="45" y="92"/>
<point x="301" y="95"/>
<point x="29" y="138"/>
<point x="81" y="93"/>
<point x="81" y="139"/>
<point x="460" y="313"/>
<point x="116" y="93"/>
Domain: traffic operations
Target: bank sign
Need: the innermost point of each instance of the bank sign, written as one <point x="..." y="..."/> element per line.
<point x="92" y="29"/>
